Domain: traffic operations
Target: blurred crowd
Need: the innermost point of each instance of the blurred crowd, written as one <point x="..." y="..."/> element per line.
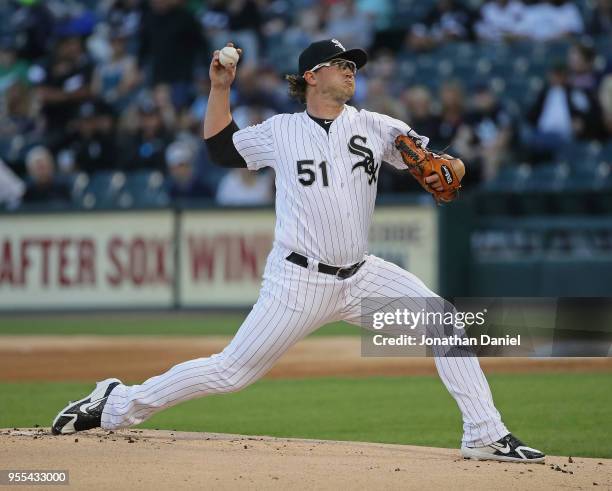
<point x="99" y="87"/>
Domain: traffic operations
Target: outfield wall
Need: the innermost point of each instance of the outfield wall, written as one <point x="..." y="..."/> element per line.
<point x="171" y="259"/>
<point x="61" y="261"/>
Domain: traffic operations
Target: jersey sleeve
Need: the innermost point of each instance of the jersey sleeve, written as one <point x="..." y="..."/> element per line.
<point x="391" y="128"/>
<point x="256" y="145"/>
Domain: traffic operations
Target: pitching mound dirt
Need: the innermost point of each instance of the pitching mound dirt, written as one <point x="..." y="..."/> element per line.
<point x="144" y="459"/>
<point x="138" y="358"/>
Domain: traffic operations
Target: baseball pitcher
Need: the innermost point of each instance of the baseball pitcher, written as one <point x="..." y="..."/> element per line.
<point x="326" y="161"/>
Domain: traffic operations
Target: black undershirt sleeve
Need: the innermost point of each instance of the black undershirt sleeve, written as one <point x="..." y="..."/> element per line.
<point x="222" y="150"/>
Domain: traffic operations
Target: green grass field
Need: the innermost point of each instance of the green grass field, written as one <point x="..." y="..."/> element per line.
<point x="165" y="324"/>
<point x="563" y="414"/>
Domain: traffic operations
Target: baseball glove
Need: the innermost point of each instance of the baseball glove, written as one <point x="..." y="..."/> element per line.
<point x="423" y="163"/>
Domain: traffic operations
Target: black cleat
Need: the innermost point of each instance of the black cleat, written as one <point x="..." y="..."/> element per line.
<point x="506" y="449"/>
<point x="86" y="413"/>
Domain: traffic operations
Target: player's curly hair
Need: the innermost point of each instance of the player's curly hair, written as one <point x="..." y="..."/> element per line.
<point x="297" y="87"/>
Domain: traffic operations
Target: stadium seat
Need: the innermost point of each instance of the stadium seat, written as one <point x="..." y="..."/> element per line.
<point x="102" y="190"/>
<point x="589" y="177"/>
<point x="425" y="62"/>
<point x="498" y="196"/>
<point x="78" y="184"/>
<point x="144" y="189"/>
<point x="558" y="278"/>
<point x="508" y="71"/>
<point x="509" y="178"/>
<point x="497" y="52"/>
<point x="578" y="189"/>
<point x="463" y="71"/>
<point x="603" y="44"/>
<point x="540" y="190"/>
<point x="606" y="153"/>
<point x="408" y="12"/>
<point x="504" y="277"/>
<point x="459" y="52"/>
<point x="553" y="50"/>
<point x="603" y="200"/>
<point x="548" y="177"/>
<point x="520" y="65"/>
<point x="577" y="154"/>
<point x="145" y="179"/>
<point x="407" y="69"/>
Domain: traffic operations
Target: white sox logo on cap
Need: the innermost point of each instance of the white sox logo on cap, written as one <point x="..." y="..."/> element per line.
<point x="339" y="44"/>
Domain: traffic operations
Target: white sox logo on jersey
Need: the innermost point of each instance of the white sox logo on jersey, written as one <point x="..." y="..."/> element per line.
<point x="368" y="164"/>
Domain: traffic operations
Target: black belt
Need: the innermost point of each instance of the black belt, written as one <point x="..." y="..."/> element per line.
<point x="342" y="273"/>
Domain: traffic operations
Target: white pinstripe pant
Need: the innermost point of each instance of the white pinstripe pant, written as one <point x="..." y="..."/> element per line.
<point x="294" y="302"/>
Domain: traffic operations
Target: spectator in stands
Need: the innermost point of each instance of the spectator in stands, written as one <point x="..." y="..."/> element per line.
<point x="447" y="21"/>
<point x="146" y="147"/>
<point x="418" y="113"/>
<point x="484" y="138"/>
<point x="379" y="100"/>
<point x="190" y="122"/>
<point x="561" y="114"/>
<point x="241" y="187"/>
<point x="309" y="25"/>
<point x="162" y="98"/>
<point x="248" y="90"/>
<point x="238" y="21"/>
<point x="549" y="20"/>
<point x="605" y="100"/>
<point x="170" y="42"/>
<point x="499" y="19"/>
<point x="380" y="12"/>
<point x="12" y="69"/>
<point x="116" y="79"/>
<point x="209" y="173"/>
<point x="33" y="23"/>
<point x="383" y="66"/>
<point x="125" y="16"/>
<point x="276" y="19"/>
<point x="244" y="25"/>
<point x="531" y="19"/>
<point x="11" y="187"/>
<point x="93" y="145"/>
<point x="350" y="25"/>
<point x="581" y="64"/>
<point x="452" y="113"/>
<point x="183" y="181"/>
<point x="601" y="19"/>
<point x="42" y="185"/>
<point x="276" y="92"/>
<point x="192" y="117"/>
<point x="18" y="124"/>
<point x="260" y="86"/>
<point x="418" y="104"/>
<point x="63" y="85"/>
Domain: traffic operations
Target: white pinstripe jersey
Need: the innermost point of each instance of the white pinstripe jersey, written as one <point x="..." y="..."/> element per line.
<point x="325" y="183"/>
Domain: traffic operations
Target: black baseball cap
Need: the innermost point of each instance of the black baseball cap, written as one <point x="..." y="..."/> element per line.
<point x="322" y="51"/>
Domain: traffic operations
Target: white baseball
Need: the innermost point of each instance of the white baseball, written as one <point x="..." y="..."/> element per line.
<point x="228" y="56"/>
